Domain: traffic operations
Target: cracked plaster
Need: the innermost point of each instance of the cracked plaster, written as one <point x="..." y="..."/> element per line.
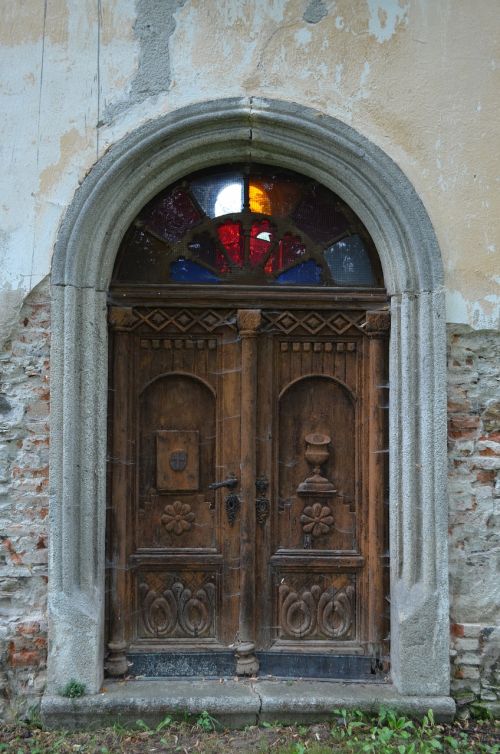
<point x="408" y="75"/>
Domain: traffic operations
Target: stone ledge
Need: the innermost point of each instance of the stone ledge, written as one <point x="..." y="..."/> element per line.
<point x="234" y="704"/>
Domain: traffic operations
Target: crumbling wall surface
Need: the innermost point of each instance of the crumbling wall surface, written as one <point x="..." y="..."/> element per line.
<point x="24" y="448"/>
<point x="474" y="500"/>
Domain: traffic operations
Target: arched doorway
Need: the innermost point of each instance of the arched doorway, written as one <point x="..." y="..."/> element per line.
<point x="248" y="445"/>
<point x="121" y="183"/>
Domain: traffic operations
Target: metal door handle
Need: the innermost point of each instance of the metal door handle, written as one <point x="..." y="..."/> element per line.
<point x="230" y="483"/>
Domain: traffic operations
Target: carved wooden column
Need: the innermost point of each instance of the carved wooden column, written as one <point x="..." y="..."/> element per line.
<point x="248" y="324"/>
<point x="377" y="331"/>
<point x="116" y="663"/>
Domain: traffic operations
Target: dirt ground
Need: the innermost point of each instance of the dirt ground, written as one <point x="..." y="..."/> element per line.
<point x="343" y="734"/>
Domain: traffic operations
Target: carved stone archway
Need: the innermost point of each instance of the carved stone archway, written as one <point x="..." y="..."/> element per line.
<point x="127" y="177"/>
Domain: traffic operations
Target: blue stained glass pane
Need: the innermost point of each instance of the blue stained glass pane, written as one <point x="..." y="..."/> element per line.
<point x="306" y="273"/>
<point x="349" y="262"/>
<point x="186" y="271"/>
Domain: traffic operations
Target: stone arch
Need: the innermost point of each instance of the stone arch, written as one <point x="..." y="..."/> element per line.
<point x="125" y="178"/>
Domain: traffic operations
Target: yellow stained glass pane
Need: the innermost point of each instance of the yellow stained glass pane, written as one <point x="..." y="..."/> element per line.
<point x="273" y="197"/>
<point x="259" y="199"/>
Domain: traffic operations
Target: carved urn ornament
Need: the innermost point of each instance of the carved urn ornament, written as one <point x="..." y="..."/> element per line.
<point x="316" y="454"/>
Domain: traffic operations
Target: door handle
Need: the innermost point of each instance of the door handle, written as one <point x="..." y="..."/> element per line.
<point x="230" y="483"/>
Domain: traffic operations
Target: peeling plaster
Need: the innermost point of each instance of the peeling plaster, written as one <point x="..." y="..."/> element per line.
<point x="71" y="143"/>
<point x="408" y="75"/>
<point x="481" y="315"/>
<point x="385" y="17"/>
<point x="154" y="26"/>
<point x="21" y="22"/>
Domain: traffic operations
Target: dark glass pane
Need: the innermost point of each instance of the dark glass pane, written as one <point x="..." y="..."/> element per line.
<point x="144" y="261"/>
<point x="219" y="195"/>
<point x="186" y="271"/>
<point x="306" y="273"/>
<point x="290" y="250"/>
<point x="273" y="196"/>
<point x="349" y="262"/>
<point x="171" y="215"/>
<point x="205" y="248"/>
<point x="231" y="238"/>
<point x="319" y="215"/>
<point x="261" y="236"/>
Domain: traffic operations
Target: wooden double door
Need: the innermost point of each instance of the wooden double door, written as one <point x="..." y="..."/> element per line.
<point x="247" y="526"/>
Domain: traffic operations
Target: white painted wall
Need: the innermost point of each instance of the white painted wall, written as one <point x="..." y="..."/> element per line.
<point x="420" y="78"/>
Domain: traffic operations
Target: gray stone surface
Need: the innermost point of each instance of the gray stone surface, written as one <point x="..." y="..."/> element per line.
<point x="131" y="173"/>
<point x="153" y="29"/>
<point x="234" y="704"/>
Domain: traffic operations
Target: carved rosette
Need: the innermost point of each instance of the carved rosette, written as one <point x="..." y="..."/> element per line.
<point x="316" y="519"/>
<point x="314" y="612"/>
<point x="178" y="517"/>
<point x="177" y="611"/>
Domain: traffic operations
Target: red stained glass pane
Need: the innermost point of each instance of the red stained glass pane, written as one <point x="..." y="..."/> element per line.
<point x="171" y="215"/>
<point x="231" y="238"/>
<point x="261" y="237"/>
<point x="272" y="196"/>
<point x="319" y="215"/>
<point x="204" y="247"/>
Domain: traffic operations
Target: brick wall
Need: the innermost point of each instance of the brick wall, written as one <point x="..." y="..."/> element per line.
<point x="474" y="505"/>
<point x="24" y="463"/>
<point x="474" y="489"/>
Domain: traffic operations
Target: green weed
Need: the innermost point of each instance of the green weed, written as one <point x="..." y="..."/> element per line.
<point x="74" y="689"/>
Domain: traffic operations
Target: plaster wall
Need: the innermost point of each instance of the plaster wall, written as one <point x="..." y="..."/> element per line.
<point x="419" y="78"/>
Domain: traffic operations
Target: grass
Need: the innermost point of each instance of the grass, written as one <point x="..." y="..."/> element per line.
<point x="347" y="733"/>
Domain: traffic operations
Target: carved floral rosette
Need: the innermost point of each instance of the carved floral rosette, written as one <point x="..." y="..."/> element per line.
<point x="178" y="517"/>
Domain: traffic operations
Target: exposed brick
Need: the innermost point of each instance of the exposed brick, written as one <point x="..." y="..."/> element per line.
<point x="24" y="658"/>
<point x="24" y="505"/>
<point x="463" y="426"/>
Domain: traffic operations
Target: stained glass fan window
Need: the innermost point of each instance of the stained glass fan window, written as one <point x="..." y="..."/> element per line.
<point x="248" y="226"/>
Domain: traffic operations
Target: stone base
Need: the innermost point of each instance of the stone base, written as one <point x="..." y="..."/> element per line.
<point x="234" y="704"/>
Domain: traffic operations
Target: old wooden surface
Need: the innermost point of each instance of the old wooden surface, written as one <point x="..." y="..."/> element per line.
<point x="203" y="393"/>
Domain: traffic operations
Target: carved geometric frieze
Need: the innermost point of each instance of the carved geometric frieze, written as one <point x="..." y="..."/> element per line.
<point x="312" y="323"/>
<point x="182" y="320"/>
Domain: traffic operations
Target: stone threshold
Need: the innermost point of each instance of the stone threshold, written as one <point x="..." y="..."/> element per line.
<point x="235" y="704"/>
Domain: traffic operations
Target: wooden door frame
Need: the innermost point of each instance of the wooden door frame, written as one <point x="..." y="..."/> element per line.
<point x="121" y="182"/>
